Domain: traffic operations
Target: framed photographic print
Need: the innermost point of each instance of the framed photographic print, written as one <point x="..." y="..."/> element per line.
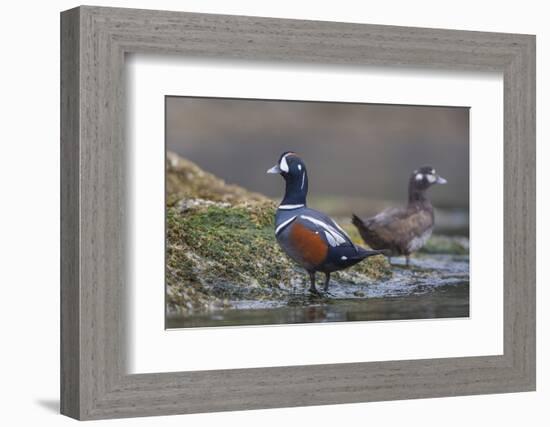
<point x="263" y="213"/>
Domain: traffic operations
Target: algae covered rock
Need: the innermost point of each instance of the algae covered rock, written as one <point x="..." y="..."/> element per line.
<point x="185" y="180"/>
<point x="220" y="245"/>
<point x="451" y="245"/>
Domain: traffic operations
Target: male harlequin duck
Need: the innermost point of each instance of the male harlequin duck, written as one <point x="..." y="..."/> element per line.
<point x="310" y="238"/>
<point x="403" y="230"/>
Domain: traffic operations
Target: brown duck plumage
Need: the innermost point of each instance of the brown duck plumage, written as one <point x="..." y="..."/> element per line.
<point x="403" y="230"/>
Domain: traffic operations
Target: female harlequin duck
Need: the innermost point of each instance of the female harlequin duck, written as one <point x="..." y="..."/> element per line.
<point x="403" y="230"/>
<point x="309" y="237"/>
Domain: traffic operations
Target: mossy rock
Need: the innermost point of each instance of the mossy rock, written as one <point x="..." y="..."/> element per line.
<point x="451" y="245"/>
<point x="230" y="252"/>
<point x="184" y="179"/>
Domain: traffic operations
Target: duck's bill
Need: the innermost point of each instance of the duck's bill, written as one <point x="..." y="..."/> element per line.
<point x="441" y="180"/>
<point x="274" y="169"/>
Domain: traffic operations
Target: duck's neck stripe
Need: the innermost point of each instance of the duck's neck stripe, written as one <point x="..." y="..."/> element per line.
<point x="289" y="207"/>
<point x="284" y="224"/>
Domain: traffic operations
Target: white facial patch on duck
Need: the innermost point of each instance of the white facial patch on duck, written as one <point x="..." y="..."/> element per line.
<point x="429" y="176"/>
<point x="283" y="165"/>
<point x="299" y="167"/>
<point x="333" y="236"/>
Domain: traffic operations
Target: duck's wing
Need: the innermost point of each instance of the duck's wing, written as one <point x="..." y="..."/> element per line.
<point x="397" y="224"/>
<point x="314" y="240"/>
<point x="334" y="235"/>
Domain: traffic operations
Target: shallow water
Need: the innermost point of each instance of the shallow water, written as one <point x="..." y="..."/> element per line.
<point x="436" y="286"/>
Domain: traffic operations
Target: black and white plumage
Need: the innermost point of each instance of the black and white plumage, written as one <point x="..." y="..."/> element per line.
<point x="403" y="230"/>
<point x="309" y="237"/>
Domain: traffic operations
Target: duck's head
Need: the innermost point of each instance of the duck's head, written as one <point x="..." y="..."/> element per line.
<point x="293" y="170"/>
<point x="423" y="178"/>
<point x="289" y="166"/>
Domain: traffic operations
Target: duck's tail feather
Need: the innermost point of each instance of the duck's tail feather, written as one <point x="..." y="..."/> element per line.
<point x="359" y="255"/>
<point x="358" y="222"/>
<point x="365" y="253"/>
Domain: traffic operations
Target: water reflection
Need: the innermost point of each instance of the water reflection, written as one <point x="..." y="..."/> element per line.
<point x="444" y="302"/>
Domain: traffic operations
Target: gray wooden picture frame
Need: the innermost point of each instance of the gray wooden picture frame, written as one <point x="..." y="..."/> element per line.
<point x="94" y="41"/>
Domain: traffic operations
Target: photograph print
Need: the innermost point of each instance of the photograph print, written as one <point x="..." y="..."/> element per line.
<point x="296" y="212"/>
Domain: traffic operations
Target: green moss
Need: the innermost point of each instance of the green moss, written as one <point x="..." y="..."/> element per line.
<point x="233" y="244"/>
<point x="439" y="244"/>
<point x="376" y="267"/>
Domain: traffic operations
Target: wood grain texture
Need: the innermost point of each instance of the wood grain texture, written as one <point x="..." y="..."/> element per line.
<point x="94" y="382"/>
<point x="70" y="221"/>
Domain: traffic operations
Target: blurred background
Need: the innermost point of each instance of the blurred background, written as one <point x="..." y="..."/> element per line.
<point x="359" y="156"/>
